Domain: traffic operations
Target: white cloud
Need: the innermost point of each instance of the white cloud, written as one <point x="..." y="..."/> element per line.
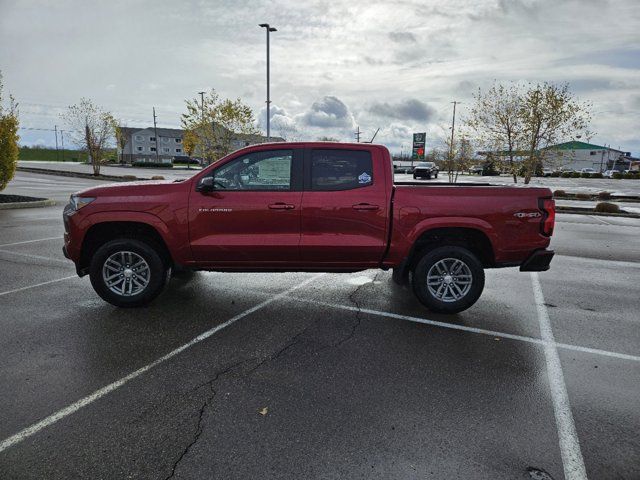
<point x="360" y="53"/>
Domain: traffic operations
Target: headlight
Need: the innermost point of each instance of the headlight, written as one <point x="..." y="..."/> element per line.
<point x="76" y="202"/>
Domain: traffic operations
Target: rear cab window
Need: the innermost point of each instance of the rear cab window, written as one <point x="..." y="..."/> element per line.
<point x="336" y="169"/>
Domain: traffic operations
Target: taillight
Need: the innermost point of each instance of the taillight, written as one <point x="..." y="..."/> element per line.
<point x="549" y="216"/>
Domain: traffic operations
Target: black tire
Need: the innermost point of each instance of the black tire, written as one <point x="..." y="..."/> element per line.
<point x="436" y="176"/>
<point x="446" y="302"/>
<point x="428" y="177"/>
<point x="414" y="176"/>
<point x="157" y="277"/>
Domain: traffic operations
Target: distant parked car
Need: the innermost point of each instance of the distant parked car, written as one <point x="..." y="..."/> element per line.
<point x="547" y="172"/>
<point x="425" y="169"/>
<point x="609" y="173"/>
<point x="476" y="170"/>
<point x="587" y="170"/>
<point x="632" y="172"/>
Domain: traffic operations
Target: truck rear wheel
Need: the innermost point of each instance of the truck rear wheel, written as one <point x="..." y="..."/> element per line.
<point x="127" y="272"/>
<point x="448" y="279"/>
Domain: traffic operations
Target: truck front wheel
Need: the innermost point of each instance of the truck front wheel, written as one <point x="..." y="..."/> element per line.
<point x="448" y="279"/>
<point x="127" y="272"/>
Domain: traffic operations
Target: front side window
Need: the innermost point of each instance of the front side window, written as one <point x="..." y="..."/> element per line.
<point x="340" y="169"/>
<point x="256" y="171"/>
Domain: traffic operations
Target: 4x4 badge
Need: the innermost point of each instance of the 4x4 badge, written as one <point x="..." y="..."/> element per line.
<point x="527" y="214"/>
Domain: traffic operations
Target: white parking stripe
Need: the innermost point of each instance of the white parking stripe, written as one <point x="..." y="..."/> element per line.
<point x="572" y="460"/>
<point x="600" y="220"/>
<point x="66" y="263"/>
<point x="464" y="328"/>
<point x="83" y="402"/>
<point x="31" y="241"/>
<point x="38" y="285"/>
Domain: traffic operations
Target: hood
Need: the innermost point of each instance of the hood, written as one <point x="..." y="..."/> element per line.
<point x="138" y="188"/>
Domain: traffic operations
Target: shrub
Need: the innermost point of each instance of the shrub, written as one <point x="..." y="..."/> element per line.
<point x="129" y="177"/>
<point x="555" y="174"/>
<point x="157" y="177"/>
<point x="575" y="175"/>
<point x="583" y="196"/>
<point x="604" y="195"/>
<point x="9" y="150"/>
<point x="606" y="207"/>
<point x="596" y="175"/>
<point x="566" y="174"/>
<point x="559" y="193"/>
<point x="617" y="175"/>
<point x="629" y="176"/>
<point x="585" y="175"/>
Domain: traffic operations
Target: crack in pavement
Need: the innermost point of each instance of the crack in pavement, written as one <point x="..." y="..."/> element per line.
<point x="292" y="341"/>
<point x="203" y="408"/>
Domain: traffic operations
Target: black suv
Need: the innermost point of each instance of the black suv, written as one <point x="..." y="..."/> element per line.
<point x="425" y="169"/>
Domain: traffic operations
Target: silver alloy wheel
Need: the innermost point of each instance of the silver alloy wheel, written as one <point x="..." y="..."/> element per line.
<point x="126" y="273"/>
<point x="449" y="279"/>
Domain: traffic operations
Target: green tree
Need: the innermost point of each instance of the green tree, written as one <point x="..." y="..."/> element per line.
<point x="92" y="129"/>
<point x="9" y="138"/>
<point x="216" y="123"/>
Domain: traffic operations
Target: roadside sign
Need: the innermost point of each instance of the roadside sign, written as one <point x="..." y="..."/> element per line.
<point x="418" y="146"/>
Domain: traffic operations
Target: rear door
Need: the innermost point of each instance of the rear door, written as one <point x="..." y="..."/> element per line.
<point x="344" y="207"/>
<point x="252" y="217"/>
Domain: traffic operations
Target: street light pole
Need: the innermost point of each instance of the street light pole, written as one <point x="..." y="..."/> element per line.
<point x="269" y="29"/>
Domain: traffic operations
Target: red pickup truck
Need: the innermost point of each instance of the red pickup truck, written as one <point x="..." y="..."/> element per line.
<point x="329" y="207"/>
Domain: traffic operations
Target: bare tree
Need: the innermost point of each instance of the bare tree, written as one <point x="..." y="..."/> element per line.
<point x="496" y="119"/>
<point x="92" y="129"/>
<point x="520" y="122"/>
<point x="549" y="113"/>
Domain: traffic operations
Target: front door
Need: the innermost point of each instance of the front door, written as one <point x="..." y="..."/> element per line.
<point x="251" y="217"/>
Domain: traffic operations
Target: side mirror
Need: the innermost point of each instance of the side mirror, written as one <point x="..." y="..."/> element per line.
<point x="206" y="184"/>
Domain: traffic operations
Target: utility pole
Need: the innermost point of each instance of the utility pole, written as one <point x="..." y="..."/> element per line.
<point x="453" y="126"/>
<point x="269" y="30"/>
<point x="358" y="134"/>
<point x="155" y="132"/>
<point x="62" y="138"/>
<point x="55" y="128"/>
<point x="202" y="128"/>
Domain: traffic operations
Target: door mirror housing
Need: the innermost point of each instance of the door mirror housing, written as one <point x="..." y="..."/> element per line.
<point x="206" y="184"/>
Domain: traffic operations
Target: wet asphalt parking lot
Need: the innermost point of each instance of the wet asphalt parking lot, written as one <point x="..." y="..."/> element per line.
<point x="319" y="376"/>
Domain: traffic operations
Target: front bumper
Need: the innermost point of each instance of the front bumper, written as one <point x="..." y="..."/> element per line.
<point x="538" y="261"/>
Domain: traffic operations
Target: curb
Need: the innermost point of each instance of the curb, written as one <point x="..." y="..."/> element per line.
<point x="36" y="203"/>
<point x="62" y="173"/>
<point x="588" y="211"/>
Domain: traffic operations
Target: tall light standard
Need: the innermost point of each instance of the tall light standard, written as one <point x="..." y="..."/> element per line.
<point x="269" y="30"/>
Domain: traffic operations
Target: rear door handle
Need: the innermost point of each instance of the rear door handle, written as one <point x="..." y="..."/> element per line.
<point x="365" y="206"/>
<point x="281" y="206"/>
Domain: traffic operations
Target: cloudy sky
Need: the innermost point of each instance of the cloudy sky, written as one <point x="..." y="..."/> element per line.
<point x="396" y="64"/>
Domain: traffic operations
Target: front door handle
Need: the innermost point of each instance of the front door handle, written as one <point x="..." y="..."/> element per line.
<point x="365" y="206"/>
<point x="281" y="206"/>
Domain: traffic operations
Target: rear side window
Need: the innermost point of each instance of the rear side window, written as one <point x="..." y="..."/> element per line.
<point x="340" y="169"/>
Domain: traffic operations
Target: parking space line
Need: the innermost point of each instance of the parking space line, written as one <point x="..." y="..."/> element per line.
<point x="600" y="220"/>
<point x="38" y="285"/>
<point x="66" y="263"/>
<point x="31" y="241"/>
<point x="83" y="402"/>
<point x="464" y="328"/>
<point x="612" y="263"/>
<point x="572" y="460"/>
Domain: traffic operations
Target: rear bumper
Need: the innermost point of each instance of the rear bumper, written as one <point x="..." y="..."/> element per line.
<point x="538" y="261"/>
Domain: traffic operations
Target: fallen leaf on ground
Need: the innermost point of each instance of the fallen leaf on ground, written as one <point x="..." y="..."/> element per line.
<point x="263" y="411"/>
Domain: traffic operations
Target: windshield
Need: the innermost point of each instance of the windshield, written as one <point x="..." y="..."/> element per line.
<point x="425" y="164"/>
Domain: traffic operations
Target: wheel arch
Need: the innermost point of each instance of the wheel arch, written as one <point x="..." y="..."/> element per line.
<point x="102" y="232"/>
<point x="473" y="239"/>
